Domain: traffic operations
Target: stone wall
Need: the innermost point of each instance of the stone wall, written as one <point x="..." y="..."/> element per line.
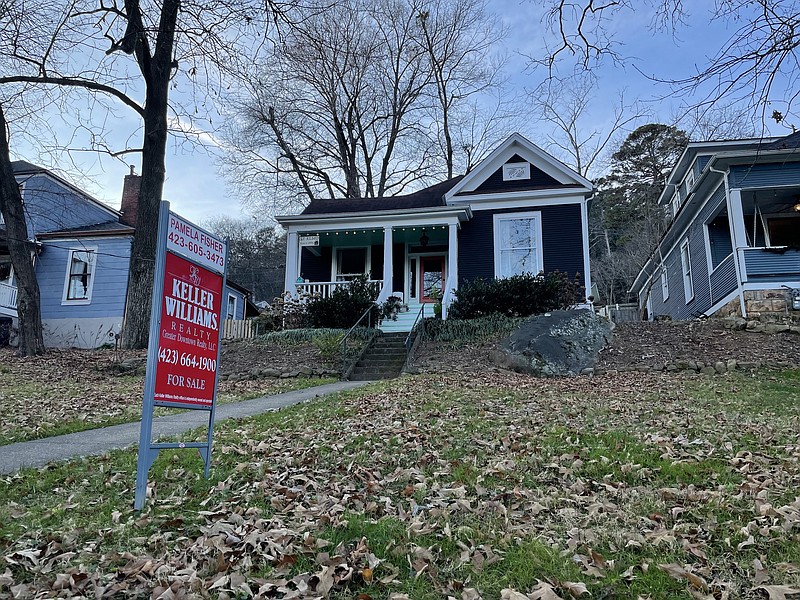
<point x="767" y="302"/>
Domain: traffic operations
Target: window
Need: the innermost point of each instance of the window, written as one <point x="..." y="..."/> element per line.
<point x="689" y="181"/>
<point x="664" y="283"/>
<point x="351" y="262"/>
<point x="686" y="265"/>
<point x="518" y="244"/>
<point x="676" y="203"/>
<point x="231" y="312"/>
<point x="80" y="276"/>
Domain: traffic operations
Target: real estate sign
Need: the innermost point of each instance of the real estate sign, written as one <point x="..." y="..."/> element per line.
<point x="188" y="339"/>
<point x="185" y="321"/>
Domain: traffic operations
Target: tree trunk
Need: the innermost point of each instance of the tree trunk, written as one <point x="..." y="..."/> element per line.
<point x="28" y="306"/>
<point x="136" y="326"/>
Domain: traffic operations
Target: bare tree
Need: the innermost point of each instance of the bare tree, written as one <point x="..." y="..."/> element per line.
<point x="458" y="37"/>
<point x="28" y="308"/>
<point x="131" y="54"/>
<point x="757" y="65"/>
<point x="581" y="142"/>
<point x="350" y="104"/>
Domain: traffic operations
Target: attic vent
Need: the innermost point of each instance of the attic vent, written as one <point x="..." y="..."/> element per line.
<point x="516" y="171"/>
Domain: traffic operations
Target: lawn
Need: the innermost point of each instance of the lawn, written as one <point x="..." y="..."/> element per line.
<point x="491" y="485"/>
<point x="67" y="391"/>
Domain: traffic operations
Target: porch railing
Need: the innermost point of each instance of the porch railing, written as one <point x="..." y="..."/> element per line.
<point x="347" y="360"/>
<point x="8" y="296"/>
<point x="770" y="262"/>
<point x="324" y="289"/>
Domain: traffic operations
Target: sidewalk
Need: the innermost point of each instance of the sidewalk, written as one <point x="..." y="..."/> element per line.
<point x="38" y="453"/>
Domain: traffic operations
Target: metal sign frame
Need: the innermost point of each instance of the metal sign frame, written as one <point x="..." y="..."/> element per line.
<point x="148" y="450"/>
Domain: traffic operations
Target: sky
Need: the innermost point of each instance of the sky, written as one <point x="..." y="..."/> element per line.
<point x="197" y="190"/>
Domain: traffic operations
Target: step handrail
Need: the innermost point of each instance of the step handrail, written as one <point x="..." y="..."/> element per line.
<point x="417" y="321"/>
<point x="343" y="341"/>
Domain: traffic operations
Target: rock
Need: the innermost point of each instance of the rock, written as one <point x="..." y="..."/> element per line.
<point x="776" y="328"/>
<point x="755" y="327"/>
<point x="270" y="373"/>
<point x="560" y="343"/>
<point x="708" y="371"/>
<point x="720" y="367"/>
<point x="306" y="371"/>
<point x="255" y="373"/>
<point x="289" y="374"/>
<point x="731" y="363"/>
<point x="734" y="323"/>
<point x="587" y="371"/>
<point x="683" y="365"/>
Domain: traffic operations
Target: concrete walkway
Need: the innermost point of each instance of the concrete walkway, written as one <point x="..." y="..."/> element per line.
<point x="38" y="453"/>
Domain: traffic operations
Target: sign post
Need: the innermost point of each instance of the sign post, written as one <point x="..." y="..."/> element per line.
<point x="183" y="350"/>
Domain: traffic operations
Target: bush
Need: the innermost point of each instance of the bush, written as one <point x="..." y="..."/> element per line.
<point x="345" y="305"/>
<point x="329" y="344"/>
<point x="472" y="330"/>
<point x="517" y="296"/>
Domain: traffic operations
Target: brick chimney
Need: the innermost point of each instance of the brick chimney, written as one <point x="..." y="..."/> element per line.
<point x="130" y="198"/>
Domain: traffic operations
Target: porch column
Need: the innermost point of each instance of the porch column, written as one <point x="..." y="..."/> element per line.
<point x="452" y="256"/>
<point x="451" y="281"/>
<point x="292" y="262"/>
<point x="386" y="289"/>
<point x="738" y="234"/>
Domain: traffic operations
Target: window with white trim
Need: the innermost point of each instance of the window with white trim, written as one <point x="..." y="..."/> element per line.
<point x="518" y="244"/>
<point x="80" y="275"/>
<point x="686" y="267"/>
<point x="352" y="262"/>
<point x="664" y="283"/>
<point x="689" y="181"/>
<point x="231" y="310"/>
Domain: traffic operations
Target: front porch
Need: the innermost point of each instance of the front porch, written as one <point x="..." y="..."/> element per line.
<point x="753" y="241"/>
<point x="418" y="263"/>
<point x="8" y="289"/>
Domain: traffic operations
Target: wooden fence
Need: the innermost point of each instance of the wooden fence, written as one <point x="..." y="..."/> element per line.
<point x="239" y="330"/>
<point x="620" y="313"/>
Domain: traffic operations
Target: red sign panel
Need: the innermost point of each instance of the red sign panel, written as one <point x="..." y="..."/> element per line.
<point x="188" y="339"/>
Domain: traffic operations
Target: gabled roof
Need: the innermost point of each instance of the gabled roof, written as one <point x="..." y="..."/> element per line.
<point x="23" y="167"/>
<point x="520" y="146"/>
<point x="790" y="141"/>
<point x="428" y="197"/>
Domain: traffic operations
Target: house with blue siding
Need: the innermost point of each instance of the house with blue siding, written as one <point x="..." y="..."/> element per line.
<point x="518" y="211"/>
<point x="82" y="251"/>
<point x="732" y="246"/>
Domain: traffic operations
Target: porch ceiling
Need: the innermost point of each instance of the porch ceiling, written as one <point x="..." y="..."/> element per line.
<point x="437" y="234"/>
<point x="771" y="200"/>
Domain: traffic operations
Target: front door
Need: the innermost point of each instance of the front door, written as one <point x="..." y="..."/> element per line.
<point x="431" y="278"/>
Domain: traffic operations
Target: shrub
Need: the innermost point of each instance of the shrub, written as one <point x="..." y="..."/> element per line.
<point x="517" y="296"/>
<point x="472" y="330"/>
<point x="345" y="305"/>
<point x="329" y="344"/>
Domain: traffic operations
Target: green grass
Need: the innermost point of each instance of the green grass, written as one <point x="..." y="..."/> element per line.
<point x="437" y="472"/>
<point x="123" y="413"/>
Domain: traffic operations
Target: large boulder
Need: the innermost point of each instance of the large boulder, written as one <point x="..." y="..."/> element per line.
<point x="558" y="343"/>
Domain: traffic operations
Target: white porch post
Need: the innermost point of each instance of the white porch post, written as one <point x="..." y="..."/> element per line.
<point x="386" y="289"/>
<point x="738" y="234"/>
<point x="292" y="262"/>
<point x="738" y="240"/>
<point x="452" y="256"/>
<point x="451" y="281"/>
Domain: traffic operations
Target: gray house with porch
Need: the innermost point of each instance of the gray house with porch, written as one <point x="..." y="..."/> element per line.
<point x="733" y="242"/>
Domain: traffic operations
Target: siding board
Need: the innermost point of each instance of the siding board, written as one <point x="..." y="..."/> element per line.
<point x="562" y="242"/>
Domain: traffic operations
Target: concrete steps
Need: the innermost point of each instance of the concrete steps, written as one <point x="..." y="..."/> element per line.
<point x="405" y="320"/>
<point x="383" y="360"/>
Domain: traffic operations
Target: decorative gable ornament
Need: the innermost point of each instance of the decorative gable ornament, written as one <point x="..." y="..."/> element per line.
<point x="516" y="171"/>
